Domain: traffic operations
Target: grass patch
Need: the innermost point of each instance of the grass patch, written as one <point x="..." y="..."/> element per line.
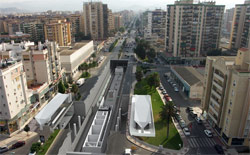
<point x="47" y="144"/>
<point x="113" y="45"/>
<point x="142" y="88"/>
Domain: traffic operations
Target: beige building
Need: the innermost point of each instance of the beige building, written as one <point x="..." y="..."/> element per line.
<point x="240" y="34"/>
<point x="111" y="26"/>
<point x="193" y="29"/>
<point x="117" y="18"/>
<point x="226" y="97"/>
<point x="95" y="15"/>
<point x="59" y="31"/>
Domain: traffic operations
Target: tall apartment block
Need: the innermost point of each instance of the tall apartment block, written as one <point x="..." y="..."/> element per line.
<point x="35" y="29"/>
<point x="14" y="98"/>
<point x="95" y="16"/>
<point x="226" y="96"/>
<point x="59" y="31"/>
<point x="117" y="18"/>
<point x="111" y="26"/>
<point x="240" y="34"/>
<point x="193" y="29"/>
<point x="227" y="22"/>
<point x="156" y="28"/>
<point x="75" y="21"/>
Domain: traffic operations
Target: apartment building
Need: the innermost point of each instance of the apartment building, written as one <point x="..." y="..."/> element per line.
<point x="227" y="22"/>
<point x="75" y="21"/>
<point x="156" y="28"/>
<point x="72" y="57"/>
<point x="14" y="98"/>
<point x="117" y="18"/>
<point x="226" y="96"/>
<point x="240" y="34"/>
<point x="111" y="26"/>
<point x="95" y="16"/>
<point x="35" y="29"/>
<point x="59" y="31"/>
<point x="193" y="29"/>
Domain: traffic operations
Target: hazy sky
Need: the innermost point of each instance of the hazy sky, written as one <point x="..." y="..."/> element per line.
<point x="115" y="5"/>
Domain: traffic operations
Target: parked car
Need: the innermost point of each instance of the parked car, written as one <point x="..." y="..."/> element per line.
<point x="173" y="84"/>
<point x="178" y="117"/>
<point x="169" y="99"/>
<point x="161" y="88"/>
<point x="176" y="89"/>
<point x="182" y="124"/>
<point x="208" y="133"/>
<point x="18" y="144"/>
<point x="3" y="149"/>
<point x="186" y="131"/>
<point x="198" y="120"/>
<point x="219" y="149"/>
<point x="169" y="80"/>
<point x="164" y="92"/>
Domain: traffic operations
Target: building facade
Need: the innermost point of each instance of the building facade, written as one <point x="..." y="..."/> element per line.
<point x="240" y="34"/>
<point x="226" y="96"/>
<point x="227" y="22"/>
<point x="95" y="16"/>
<point x="190" y="27"/>
<point x="59" y="31"/>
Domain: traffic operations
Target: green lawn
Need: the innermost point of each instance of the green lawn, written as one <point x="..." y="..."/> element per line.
<point x="174" y="139"/>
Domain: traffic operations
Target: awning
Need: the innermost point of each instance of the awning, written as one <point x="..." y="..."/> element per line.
<point x="44" y="116"/>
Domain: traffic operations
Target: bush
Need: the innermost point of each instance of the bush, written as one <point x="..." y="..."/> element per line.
<point x="35" y="147"/>
<point x="85" y="75"/>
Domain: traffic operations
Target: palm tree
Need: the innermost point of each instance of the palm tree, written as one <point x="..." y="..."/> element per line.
<point x="166" y="113"/>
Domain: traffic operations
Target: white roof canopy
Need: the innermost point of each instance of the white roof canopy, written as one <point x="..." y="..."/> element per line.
<point x="44" y="116"/>
<point x="142" y="110"/>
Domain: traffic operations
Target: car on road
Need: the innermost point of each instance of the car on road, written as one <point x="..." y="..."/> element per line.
<point x="182" y="124"/>
<point x="174" y="85"/>
<point x="208" y="133"/>
<point x="219" y="149"/>
<point x="176" y="89"/>
<point x="18" y="144"/>
<point x="164" y="92"/>
<point x="169" y="80"/>
<point x="3" y="149"/>
<point x="186" y="131"/>
<point x="198" y="120"/>
<point x="127" y="152"/>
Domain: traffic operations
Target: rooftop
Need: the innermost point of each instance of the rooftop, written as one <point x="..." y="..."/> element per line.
<point x="73" y="48"/>
<point x="189" y="74"/>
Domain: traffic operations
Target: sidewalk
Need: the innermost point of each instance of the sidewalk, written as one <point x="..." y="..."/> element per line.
<point x="150" y="147"/>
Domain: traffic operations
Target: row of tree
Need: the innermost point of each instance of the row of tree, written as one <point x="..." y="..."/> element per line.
<point x="144" y="51"/>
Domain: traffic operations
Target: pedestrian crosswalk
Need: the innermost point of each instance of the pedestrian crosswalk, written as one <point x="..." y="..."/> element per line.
<point x="201" y="142"/>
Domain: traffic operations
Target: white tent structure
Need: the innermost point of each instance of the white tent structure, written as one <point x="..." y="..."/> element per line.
<point x="44" y="116"/>
<point x="141" y="116"/>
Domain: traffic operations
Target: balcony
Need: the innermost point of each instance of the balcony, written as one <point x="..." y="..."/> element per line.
<point x="217" y="85"/>
<point x="219" y="77"/>
<point x="212" y="117"/>
<point x="213" y="110"/>
<point x="216" y="94"/>
<point x="214" y="102"/>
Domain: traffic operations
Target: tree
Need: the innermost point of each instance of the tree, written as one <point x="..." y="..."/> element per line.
<point x="151" y="54"/>
<point x="166" y="113"/>
<point x="83" y="67"/>
<point x="61" y="88"/>
<point x="93" y="55"/>
<point x="27" y="129"/>
<point x="74" y="88"/>
<point x="154" y="79"/>
<point x="138" y="75"/>
<point x="122" y="29"/>
<point x="35" y="147"/>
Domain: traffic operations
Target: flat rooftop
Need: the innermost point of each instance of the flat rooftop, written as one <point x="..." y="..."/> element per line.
<point x="189" y="74"/>
<point x="73" y="48"/>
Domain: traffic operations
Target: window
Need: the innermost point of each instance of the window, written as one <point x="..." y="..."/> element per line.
<point x="232" y="92"/>
<point x="230" y="102"/>
<point x="3" y="105"/>
<point x="229" y="111"/>
<point x="234" y="83"/>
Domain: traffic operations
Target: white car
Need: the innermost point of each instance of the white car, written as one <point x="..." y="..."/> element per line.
<point x="208" y="133"/>
<point x="182" y="124"/>
<point x="176" y="89"/>
<point x="186" y="132"/>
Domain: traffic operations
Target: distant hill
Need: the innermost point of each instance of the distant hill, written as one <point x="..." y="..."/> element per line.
<point x="12" y="10"/>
